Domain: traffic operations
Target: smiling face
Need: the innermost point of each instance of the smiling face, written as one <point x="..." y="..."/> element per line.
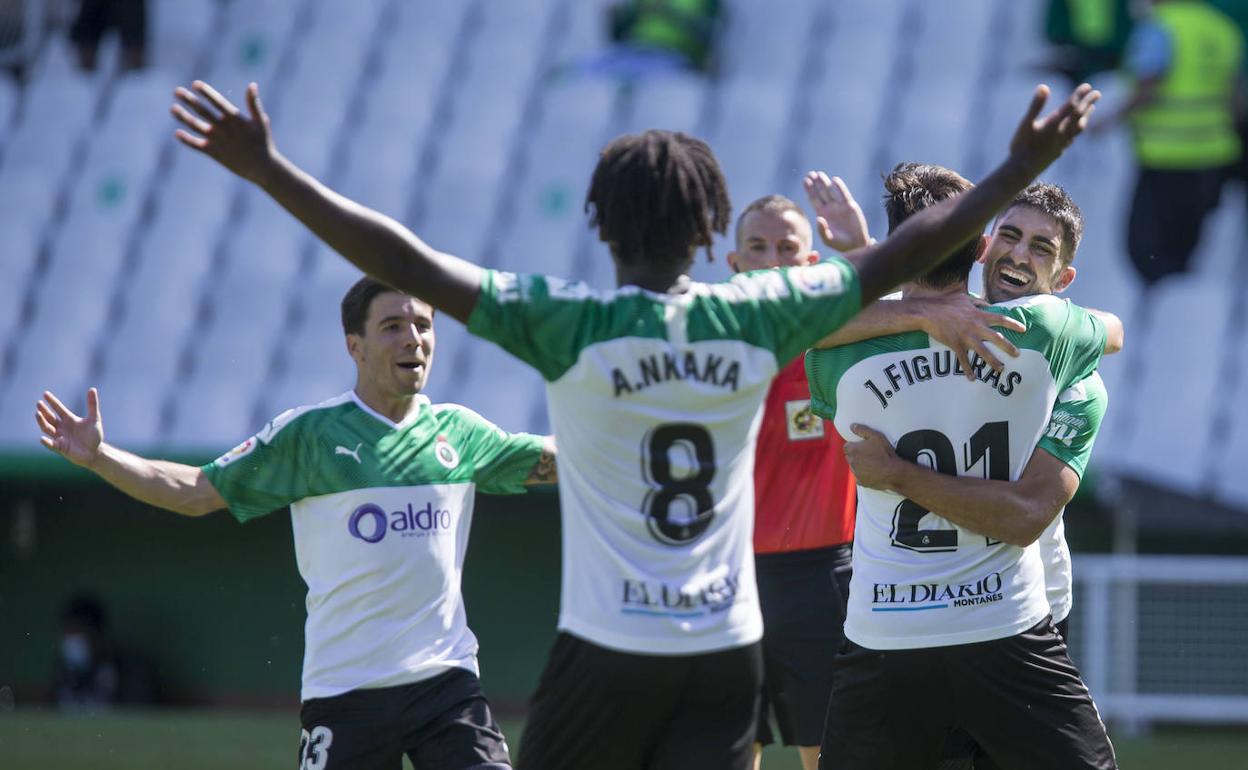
<point x="395" y="350"/>
<point x="1024" y="256"/>
<point x="768" y="238"/>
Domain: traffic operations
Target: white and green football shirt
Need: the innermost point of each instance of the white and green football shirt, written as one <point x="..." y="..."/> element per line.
<point x="1070" y="436"/>
<point x="655" y="401"/>
<point x="381" y="513"/>
<point x="919" y="580"/>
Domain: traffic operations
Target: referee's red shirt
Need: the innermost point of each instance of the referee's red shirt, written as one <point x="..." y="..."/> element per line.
<point x="803" y="488"/>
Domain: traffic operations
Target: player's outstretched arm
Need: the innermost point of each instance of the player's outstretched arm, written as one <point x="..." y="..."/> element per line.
<point x="545" y="470"/>
<point x="373" y="242"/>
<point x="925" y="239"/>
<point x="180" y="488"/>
<point x="1115" y="332"/>
<point x="955" y="320"/>
<point x="1016" y="512"/>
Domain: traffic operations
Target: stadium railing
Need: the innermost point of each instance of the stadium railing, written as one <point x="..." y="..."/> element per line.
<point x="1160" y="638"/>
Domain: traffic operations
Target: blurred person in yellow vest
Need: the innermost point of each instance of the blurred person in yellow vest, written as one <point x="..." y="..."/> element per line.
<point x="1089" y="36"/>
<point x="1186" y="61"/>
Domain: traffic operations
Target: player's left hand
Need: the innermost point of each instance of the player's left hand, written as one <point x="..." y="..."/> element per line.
<point x="842" y="225"/>
<point x="219" y="130"/>
<point x="872" y="459"/>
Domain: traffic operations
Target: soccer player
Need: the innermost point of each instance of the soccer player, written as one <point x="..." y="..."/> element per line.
<point x="941" y="614"/>
<point x="1031" y="251"/>
<point x="803" y="490"/>
<point x="380" y="484"/>
<point x="654" y="392"/>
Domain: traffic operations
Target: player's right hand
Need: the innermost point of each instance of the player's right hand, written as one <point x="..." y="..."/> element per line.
<point x="76" y="438"/>
<point x="1038" y="142"/>
<point x="958" y="322"/>
<point x="218" y="129"/>
<point x="842" y="225"/>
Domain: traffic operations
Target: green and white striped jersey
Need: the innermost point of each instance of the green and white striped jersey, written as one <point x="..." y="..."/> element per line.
<point x="1070" y="436"/>
<point x="919" y="580"/>
<point x="655" y="401"/>
<point x="381" y="513"/>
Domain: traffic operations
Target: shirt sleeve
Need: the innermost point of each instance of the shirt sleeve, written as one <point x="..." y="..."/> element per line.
<point x="1075" y="423"/>
<point x="1149" y="51"/>
<point x="264" y="473"/>
<point x="540" y="320"/>
<point x="1071" y="339"/>
<point x="791" y="309"/>
<point x="502" y="461"/>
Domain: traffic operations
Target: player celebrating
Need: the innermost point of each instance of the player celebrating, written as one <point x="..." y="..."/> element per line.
<point x="380" y="484"/>
<point x="1031" y="251"/>
<point x="803" y="490"/>
<point x="943" y="612"/>
<point x="657" y="663"/>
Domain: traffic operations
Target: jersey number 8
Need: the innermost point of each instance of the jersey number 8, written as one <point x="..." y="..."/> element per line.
<point x="692" y="490"/>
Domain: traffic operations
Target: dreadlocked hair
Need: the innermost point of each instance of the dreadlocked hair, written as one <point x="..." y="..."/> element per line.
<point x="655" y="195"/>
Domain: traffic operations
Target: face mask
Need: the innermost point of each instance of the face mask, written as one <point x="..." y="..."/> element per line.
<point x="75" y="651"/>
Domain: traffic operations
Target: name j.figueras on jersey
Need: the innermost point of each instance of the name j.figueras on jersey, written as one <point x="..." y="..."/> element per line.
<point x="924" y="367"/>
<point x="910" y="597"/>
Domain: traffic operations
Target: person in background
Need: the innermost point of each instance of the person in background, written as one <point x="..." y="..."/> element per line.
<point x="97" y="17"/>
<point x="1186" y="60"/>
<point x="1089" y="36"/>
<point x="91" y="670"/>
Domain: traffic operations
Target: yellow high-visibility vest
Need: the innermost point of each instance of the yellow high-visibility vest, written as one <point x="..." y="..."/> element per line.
<point x="1190" y="125"/>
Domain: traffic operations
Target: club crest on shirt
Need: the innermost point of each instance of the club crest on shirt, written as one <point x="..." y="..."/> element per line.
<point x="818" y="280"/>
<point x="803" y="424"/>
<point x="445" y="453"/>
<point x="240" y="451"/>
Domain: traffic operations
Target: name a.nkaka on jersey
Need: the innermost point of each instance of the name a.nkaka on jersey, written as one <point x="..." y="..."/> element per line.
<point x="657" y="369"/>
<point x="925" y="367"/>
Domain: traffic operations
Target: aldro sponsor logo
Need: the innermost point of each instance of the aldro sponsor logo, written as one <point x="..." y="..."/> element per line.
<point x="371" y="523"/>
<point x="649" y="597"/>
<point x="912" y="597"/>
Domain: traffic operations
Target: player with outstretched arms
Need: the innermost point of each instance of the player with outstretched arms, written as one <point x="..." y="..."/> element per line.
<point x="940" y="613"/>
<point x="654" y="391"/>
<point x="380" y="484"/>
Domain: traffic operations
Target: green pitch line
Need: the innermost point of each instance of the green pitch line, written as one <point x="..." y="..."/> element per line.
<point x="210" y="740"/>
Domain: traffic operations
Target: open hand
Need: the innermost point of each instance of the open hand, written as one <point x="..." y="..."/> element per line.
<point x="842" y="225"/>
<point x="1039" y="142"/>
<point x="243" y="145"/>
<point x="76" y="438"/>
<point x="872" y="459"/>
<point x="958" y="322"/>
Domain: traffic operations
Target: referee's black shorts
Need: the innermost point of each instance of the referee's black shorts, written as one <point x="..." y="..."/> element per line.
<point x="608" y="710"/>
<point x="443" y="722"/>
<point x="1020" y="698"/>
<point x="803" y="596"/>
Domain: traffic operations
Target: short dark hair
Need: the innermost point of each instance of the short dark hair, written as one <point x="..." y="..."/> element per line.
<point x="657" y="194"/>
<point x="1053" y="200"/>
<point x="357" y="300"/>
<point x="912" y="187"/>
<point x="774" y="204"/>
<point x="87" y="610"/>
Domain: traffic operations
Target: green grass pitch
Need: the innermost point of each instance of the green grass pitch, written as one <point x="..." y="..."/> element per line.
<point x="204" y="740"/>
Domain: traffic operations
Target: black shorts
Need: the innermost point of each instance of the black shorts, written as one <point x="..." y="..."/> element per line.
<point x="1168" y="210"/>
<point x="443" y="722"/>
<point x="961" y="751"/>
<point x="803" y="596"/>
<point x="607" y="710"/>
<point x="1020" y="698"/>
